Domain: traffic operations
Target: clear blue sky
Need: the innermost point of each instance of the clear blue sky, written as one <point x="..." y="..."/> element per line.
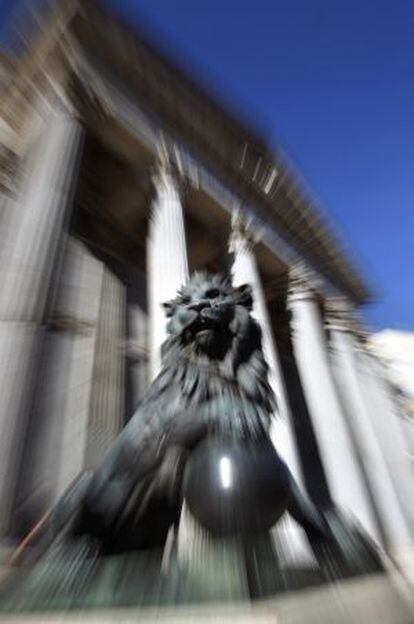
<point x="333" y="83"/>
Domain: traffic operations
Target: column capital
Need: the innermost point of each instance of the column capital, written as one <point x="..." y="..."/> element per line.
<point x="244" y="236"/>
<point x="164" y="178"/>
<point x="300" y="284"/>
<point x="340" y="315"/>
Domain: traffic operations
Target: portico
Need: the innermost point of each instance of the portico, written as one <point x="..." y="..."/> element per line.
<point x="128" y="191"/>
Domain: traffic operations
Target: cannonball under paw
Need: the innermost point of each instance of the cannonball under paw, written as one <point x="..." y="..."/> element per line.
<point x="236" y="487"/>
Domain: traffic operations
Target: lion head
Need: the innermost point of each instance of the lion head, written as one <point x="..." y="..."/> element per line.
<point x="214" y="344"/>
<point x="203" y="315"/>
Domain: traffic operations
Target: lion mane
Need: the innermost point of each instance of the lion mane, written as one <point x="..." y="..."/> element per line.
<point x="233" y="381"/>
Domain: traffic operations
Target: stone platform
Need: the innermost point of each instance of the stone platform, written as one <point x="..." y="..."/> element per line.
<point x="375" y="599"/>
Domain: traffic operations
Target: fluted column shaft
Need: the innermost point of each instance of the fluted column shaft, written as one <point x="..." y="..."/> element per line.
<point x="245" y="271"/>
<point x="28" y="256"/>
<point x="342" y="471"/>
<point x="394" y="527"/>
<point x="166" y="256"/>
<point x="384" y="416"/>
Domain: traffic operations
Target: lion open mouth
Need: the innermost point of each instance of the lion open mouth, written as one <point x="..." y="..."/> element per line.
<point x="204" y="323"/>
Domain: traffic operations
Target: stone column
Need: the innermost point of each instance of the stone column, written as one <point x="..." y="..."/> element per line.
<point x="245" y="271"/>
<point x="107" y="406"/>
<point x="343" y="474"/>
<point x="166" y="257"/>
<point x="27" y="260"/>
<point x="354" y="396"/>
<point x="58" y="429"/>
<point x="383" y="411"/>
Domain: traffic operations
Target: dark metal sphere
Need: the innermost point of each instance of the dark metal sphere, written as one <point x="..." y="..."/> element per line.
<point x="234" y="487"/>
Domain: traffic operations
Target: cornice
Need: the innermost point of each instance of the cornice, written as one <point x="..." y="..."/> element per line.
<point x="229" y="147"/>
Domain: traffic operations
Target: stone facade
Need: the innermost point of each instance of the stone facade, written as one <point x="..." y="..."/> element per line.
<point x="116" y="185"/>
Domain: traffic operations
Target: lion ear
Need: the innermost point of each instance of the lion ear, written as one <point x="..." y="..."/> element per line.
<point x="244" y="296"/>
<point x="169" y="308"/>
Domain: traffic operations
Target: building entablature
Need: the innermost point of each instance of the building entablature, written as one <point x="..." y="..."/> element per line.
<point x="113" y="76"/>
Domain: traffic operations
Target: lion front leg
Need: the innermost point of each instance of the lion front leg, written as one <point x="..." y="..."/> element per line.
<point x="143" y="467"/>
<point x="128" y="462"/>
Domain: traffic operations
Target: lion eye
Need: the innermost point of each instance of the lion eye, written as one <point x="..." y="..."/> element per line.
<point x="212" y="293"/>
<point x="185" y="300"/>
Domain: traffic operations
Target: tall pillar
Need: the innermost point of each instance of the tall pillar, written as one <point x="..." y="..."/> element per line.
<point x="245" y="271"/>
<point x="27" y="260"/>
<point x="354" y="396"/>
<point x="343" y="474"/>
<point x="57" y="433"/>
<point x="384" y="416"/>
<point x="166" y="257"/>
<point x="107" y="405"/>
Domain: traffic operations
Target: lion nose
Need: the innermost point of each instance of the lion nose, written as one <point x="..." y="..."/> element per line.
<point x="199" y="305"/>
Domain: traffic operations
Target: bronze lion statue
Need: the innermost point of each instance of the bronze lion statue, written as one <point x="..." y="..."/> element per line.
<point x="201" y="434"/>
